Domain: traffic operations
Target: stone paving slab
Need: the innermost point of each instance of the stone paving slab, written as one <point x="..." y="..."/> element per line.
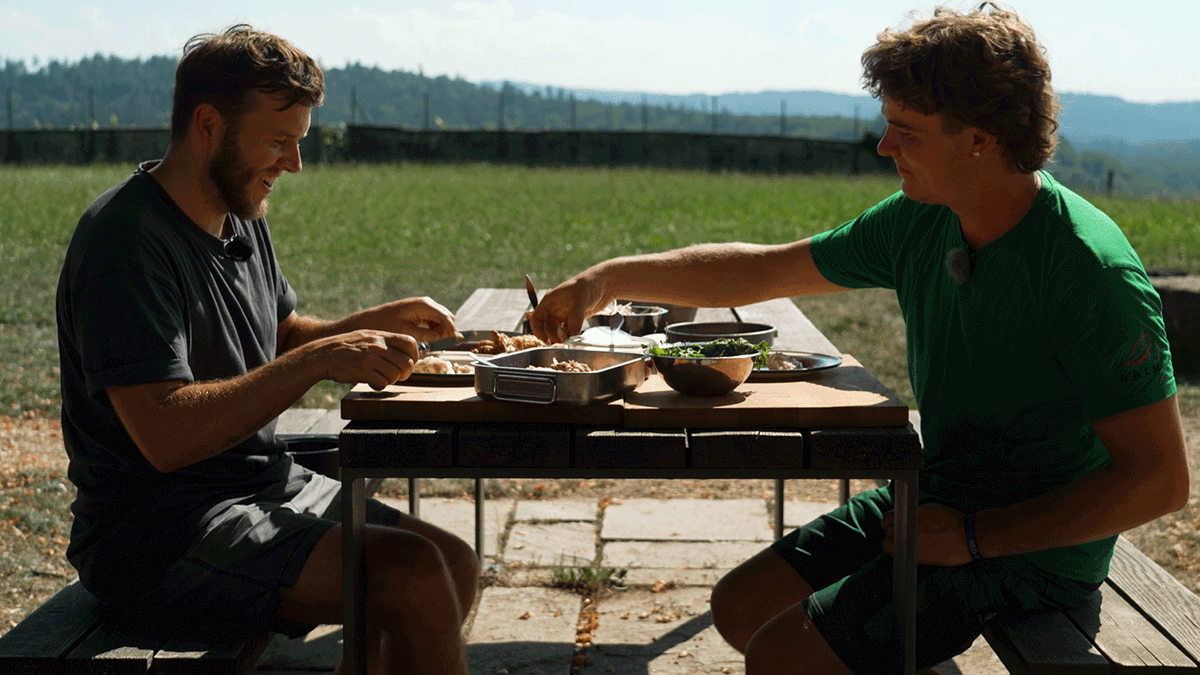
<point x="681" y="563"/>
<point x="660" y="540"/>
<point x="540" y="644"/>
<point x="556" y="510"/>
<point x="320" y="650"/>
<point x="458" y="516"/>
<point x="551" y="544"/>
<point x="687" y="520"/>
<point x="669" y="559"/>
<point x="666" y="633"/>
<point x="797" y="513"/>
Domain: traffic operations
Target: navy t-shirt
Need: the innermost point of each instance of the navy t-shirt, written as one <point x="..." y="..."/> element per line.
<point x="146" y="295"/>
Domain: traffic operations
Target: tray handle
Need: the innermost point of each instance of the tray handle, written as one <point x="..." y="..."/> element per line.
<point x="524" y="388"/>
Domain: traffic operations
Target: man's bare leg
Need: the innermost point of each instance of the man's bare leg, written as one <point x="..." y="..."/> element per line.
<point x="756" y="608"/>
<point x="417" y="632"/>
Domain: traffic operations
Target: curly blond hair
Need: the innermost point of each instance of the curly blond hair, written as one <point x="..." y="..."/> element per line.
<point x="982" y="68"/>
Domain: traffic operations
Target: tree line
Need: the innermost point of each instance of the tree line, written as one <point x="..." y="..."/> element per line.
<point x="109" y="91"/>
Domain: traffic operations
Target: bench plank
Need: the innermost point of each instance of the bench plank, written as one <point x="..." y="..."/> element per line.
<point x="608" y="448"/>
<point x="715" y="314"/>
<point x="37" y="644"/>
<point x="796" y="332"/>
<point x="492" y="309"/>
<point x="1043" y="643"/>
<point x="330" y="422"/>
<point x="218" y="653"/>
<point x="118" y="646"/>
<point x="1125" y="637"/>
<point x="298" y="420"/>
<point x="1150" y="588"/>
<point x="746" y="449"/>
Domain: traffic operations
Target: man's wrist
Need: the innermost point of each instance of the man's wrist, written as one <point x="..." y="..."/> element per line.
<point x="969" y="528"/>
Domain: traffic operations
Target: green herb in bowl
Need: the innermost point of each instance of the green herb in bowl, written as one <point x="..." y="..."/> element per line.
<point x="716" y="348"/>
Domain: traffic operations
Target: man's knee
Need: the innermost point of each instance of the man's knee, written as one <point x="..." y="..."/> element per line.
<point x="410" y="573"/>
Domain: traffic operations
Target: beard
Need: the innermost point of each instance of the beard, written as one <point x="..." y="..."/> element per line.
<point x="233" y="179"/>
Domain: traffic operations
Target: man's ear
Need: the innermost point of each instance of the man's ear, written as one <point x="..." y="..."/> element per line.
<point x="208" y="126"/>
<point x="982" y="142"/>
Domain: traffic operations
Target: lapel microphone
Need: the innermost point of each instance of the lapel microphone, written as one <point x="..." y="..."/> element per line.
<point x="958" y="265"/>
<point x="237" y="248"/>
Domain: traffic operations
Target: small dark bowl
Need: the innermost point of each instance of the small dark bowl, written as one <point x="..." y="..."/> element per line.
<point x="705" y="331"/>
<point x="705" y="375"/>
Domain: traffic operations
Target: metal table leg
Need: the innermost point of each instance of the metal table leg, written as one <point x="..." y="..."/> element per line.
<point x="778" y="509"/>
<point x="354" y="539"/>
<point x="479" y="552"/>
<point x="904" y="571"/>
<point x="414" y="497"/>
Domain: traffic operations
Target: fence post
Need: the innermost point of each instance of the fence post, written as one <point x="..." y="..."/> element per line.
<point x="645" y="113"/>
<point x="572" y="112"/>
<point x="500" y="112"/>
<point x="353" y="105"/>
<point x="426" y="127"/>
<point x="10" y="145"/>
<point x="783" y="117"/>
<point x="714" y="114"/>
<point x="89" y="135"/>
<point x="1110" y="183"/>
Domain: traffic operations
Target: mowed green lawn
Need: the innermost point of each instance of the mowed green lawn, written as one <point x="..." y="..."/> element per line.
<point x="354" y="236"/>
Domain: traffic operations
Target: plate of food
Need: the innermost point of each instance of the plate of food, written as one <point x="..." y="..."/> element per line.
<point x="445" y="367"/>
<point x="452" y="362"/>
<point x="787" y="365"/>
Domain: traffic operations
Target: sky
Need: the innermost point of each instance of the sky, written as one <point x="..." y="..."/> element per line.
<point x="1138" y="51"/>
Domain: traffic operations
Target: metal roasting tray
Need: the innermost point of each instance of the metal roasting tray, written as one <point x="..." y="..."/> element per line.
<point x="507" y="377"/>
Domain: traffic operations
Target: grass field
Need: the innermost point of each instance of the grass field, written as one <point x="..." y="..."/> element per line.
<point x="353" y="236"/>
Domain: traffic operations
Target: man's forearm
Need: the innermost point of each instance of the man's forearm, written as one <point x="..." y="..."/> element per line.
<point x="1146" y="477"/>
<point x="1099" y="504"/>
<point x="718" y="275"/>
<point x="182" y="425"/>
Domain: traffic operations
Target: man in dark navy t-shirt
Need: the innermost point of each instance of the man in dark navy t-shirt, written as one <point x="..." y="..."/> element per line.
<point x="180" y="345"/>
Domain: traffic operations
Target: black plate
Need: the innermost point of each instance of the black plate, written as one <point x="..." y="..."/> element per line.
<point x="806" y="362"/>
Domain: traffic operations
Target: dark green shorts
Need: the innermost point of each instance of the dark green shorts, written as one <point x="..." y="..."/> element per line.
<point x="840" y="555"/>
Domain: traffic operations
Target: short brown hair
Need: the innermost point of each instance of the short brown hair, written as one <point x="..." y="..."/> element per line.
<point x="222" y="69"/>
<point x="983" y="69"/>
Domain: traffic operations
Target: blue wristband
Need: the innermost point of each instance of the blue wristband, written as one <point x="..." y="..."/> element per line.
<point x="972" y="545"/>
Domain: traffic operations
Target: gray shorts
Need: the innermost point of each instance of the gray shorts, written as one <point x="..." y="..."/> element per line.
<point x="231" y="575"/>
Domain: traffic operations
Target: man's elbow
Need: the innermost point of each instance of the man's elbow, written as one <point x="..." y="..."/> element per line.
<point x="160" y="460"/>
<point x="1179" y="491"/>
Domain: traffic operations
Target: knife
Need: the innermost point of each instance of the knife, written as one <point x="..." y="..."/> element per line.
<point x="532" y="293"/>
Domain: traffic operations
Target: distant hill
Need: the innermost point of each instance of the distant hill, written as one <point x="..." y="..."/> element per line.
<point x="1151" y="148"/>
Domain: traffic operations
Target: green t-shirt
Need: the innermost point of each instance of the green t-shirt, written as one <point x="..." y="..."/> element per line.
<point x="1056" y="325"/>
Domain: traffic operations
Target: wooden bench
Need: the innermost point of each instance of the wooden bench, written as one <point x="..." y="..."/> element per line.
<point x="73" y="633"/>
<point x="1142" y="620"/>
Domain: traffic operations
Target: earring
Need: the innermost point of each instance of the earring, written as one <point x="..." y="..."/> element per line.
<point x="974" y="154"/>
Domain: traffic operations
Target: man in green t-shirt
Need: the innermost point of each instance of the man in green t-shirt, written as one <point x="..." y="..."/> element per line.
<point x="1036" y="351"/>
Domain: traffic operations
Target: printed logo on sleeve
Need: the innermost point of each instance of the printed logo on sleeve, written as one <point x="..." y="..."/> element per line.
<point x="1144" y="359"/>
<point x="1140" y="351"/>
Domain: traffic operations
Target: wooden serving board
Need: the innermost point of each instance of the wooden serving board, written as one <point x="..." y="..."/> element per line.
<point x="845" y="396"/>
<point x="439" y="403"/>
